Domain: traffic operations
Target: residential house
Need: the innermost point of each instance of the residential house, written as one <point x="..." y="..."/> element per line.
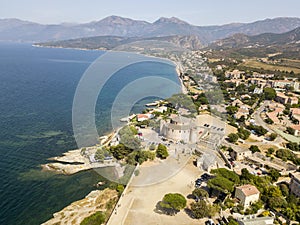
<point x="275" y="113"/>
<point x="235" y="74"/>
<point x="283" y="99"/>
<point x="296" y="129"/>
<point x="284" y="83"/>
<point x="237" y="103"/>
<point x="242" y="111"/>
<point x="247" y="194"/>
<point x="295" y="113"/>
<point x="258" y="82"/>
<point x="143" y="117"/>
<point x="240" y="153"/>
<point x="161" y="109"/>
<point x="265" y="76"/>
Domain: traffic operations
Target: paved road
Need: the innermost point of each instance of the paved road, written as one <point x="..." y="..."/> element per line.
<point x="259" y="121"/>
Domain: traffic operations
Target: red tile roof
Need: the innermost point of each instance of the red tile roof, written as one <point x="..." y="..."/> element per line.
<point x="248" y="189"/>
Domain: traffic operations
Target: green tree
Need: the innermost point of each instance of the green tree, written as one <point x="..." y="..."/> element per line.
<point x="254" y="148"/>
<point x="271" y="151"/>
<point x="293" y="146"/>
<point x="290" y="130"/>
<point x="120" y="151"/>
<point x="230" y="175"/>
<point x="277" y="202"/>
<point x="101" y="153"/>
<point x="284" y="189"/>
<point x="128" y="138"/>
<point x="232" y="137"/>
<point x="161" y="151"/>
<point x="243" y="133"/>
<point x="246" y="175"/>
<point x="221" y="184"/>
<point x="274" y="174"/>
<point x="202" y="209"/>
<point x="200" y="193"/>
<point x="273" y="136"/>
<point x="269" y="121"/>
<point x="231" y="109"/>
<point x="269" y="93"/>
<point x="233" y="222"/>
<point x="97" y="218"/>
<point x="174" y="202"/>
<point x="183" y="101"/>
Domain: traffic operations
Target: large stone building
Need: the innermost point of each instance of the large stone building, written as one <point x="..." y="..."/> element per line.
<point x="247" y="194"/>
<point x="284" y="83"/>
<point x="295" y="184"/>
<point x="181" y="128"/>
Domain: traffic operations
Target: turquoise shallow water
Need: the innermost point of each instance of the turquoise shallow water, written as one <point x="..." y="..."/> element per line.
<point x="37" y="86"/>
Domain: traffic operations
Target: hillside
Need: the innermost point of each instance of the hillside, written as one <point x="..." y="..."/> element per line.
<point x="111" y="42"/>
<point x="24" y="31"/>
<point x="285" y="45"/>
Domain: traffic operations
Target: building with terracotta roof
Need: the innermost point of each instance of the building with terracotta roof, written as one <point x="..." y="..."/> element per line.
<point x="296" y="129"/>
<point x="247" y="194"/>
<point x="142" y="117"/>
<point x="283" y="99"/>
<point x="295" y="113"/>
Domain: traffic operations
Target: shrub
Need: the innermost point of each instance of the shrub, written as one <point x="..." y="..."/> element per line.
<point x="97" y="218"/>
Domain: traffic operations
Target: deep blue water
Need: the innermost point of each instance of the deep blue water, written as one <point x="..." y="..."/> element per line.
<point x="37" y="87"/>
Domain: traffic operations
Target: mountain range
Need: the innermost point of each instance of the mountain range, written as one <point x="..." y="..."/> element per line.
<point x="24" y="31"/>
<point x="284" y="45"/>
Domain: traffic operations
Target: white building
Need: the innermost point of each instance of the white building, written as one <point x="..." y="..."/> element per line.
<point x="240" y="153"/>
<point x="253" y="220"/>
<point x="247" y="194"/>
<point x="142" y="117"/>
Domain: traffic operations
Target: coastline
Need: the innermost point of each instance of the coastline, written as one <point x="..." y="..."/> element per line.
<point x="73" y="161"/>
<point x="66" y="164"/>
<point x="177" y="65"/>
<point x="95" y="201"/>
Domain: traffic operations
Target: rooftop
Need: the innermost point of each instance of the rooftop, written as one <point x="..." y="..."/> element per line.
<point x="248" y="189"/>
<point x="296" y="175"/>
<point x="295" y="111"/>
<point x="295" y="127"/>
<point x="257" y="220"/>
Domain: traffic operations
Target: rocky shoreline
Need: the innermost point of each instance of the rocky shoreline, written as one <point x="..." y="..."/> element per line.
<point x="98" y="200"/>
<point x="74" y="161"/>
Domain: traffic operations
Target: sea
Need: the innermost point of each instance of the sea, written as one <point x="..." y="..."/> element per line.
<point x="37" y="87"/>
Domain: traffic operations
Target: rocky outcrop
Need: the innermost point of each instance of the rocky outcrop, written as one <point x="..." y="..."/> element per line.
<point x="95" y="201"/>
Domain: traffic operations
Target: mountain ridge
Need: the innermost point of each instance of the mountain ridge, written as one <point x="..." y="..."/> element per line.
<point x="26" y="31"/>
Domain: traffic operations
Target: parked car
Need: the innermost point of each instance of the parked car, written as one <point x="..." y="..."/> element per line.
<point x="209" y="222"/>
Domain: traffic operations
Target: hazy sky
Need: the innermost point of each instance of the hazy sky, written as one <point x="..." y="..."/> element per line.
<point x="196" y="12"/>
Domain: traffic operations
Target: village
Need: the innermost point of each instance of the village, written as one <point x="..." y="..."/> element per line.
<point x="229" y="146"/>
